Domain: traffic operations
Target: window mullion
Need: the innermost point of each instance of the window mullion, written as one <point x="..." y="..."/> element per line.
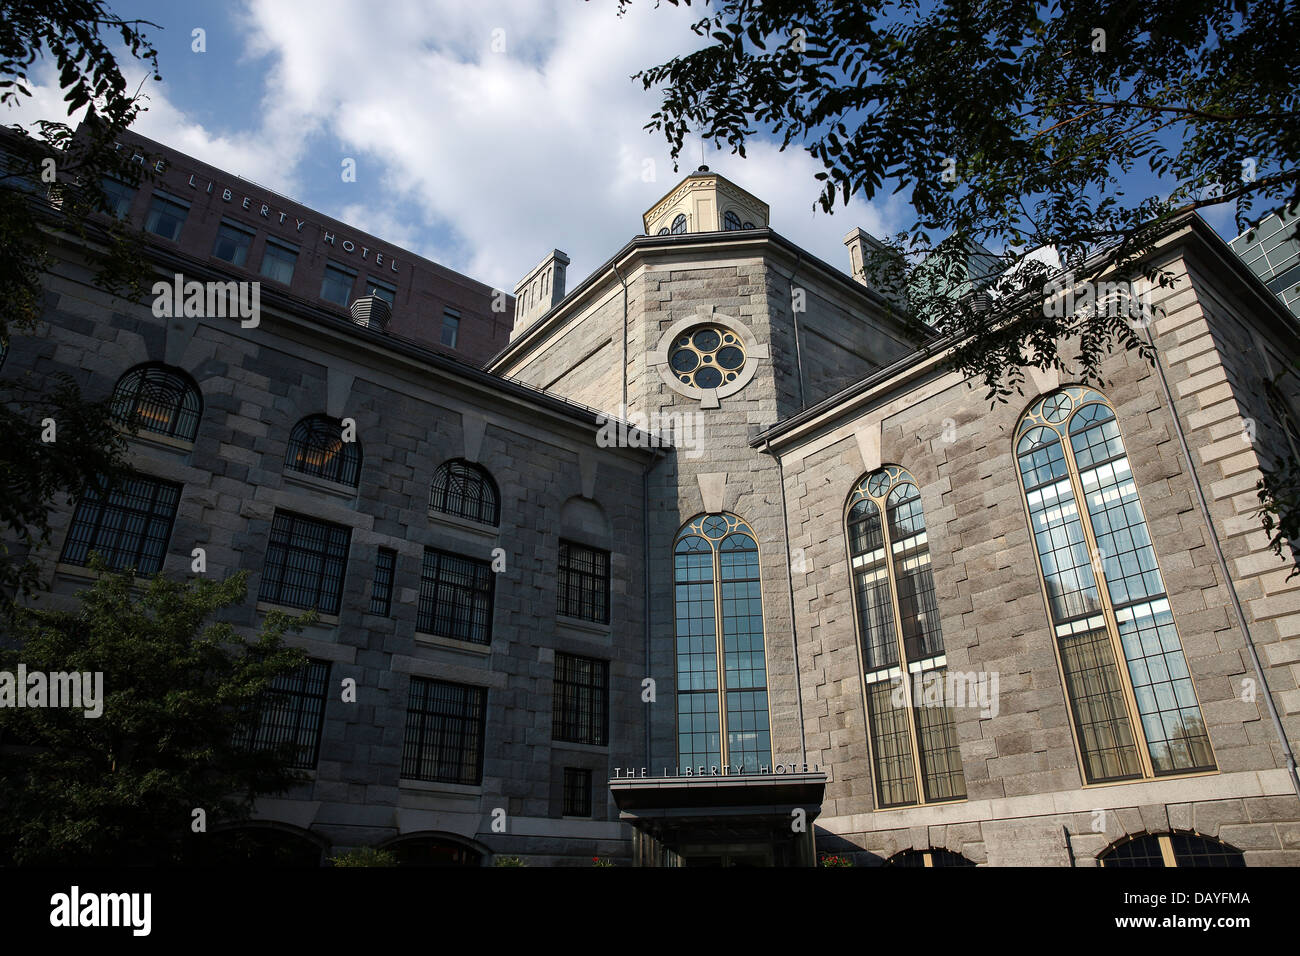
<point x="721" y="657"/>
<point x="885" y="537"/>
<point x="1108" y="610"/>
<point x="1167" y="850"/>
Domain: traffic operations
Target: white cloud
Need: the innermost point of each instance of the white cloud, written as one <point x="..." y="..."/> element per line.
<point x="269" y="157"/>
<point x="487" y="159"/>
<point x="507" y="155"/>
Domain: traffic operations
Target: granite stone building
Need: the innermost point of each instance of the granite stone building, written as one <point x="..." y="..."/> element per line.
<point x="706" y="561"/>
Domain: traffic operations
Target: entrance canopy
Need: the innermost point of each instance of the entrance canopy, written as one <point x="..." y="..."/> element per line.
<point x="731" y="820"/>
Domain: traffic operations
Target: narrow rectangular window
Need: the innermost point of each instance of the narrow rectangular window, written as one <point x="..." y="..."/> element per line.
<point x="584" y="583"/>
<point x="306" y="561"/>
<point x="291" y="712"/>
<point x="166" y="216"/>
<point x="445" y="730"/>
<point x="450" y="327"/>
<point x="455" y="597"/>
<point x="1093" y="683"/>
<point x="580" y="710"/>
<point x="336" y="286"/>
<point x="891" y="745"/>
<point x="232" y="244"/>
<point x="278" y="261"/>
<point x="577" y="792"/>
<point x="128" y="525"/>
<point x="120" y="196"/>
<point x="381" y="592"/>
<point x="382" y="289"/>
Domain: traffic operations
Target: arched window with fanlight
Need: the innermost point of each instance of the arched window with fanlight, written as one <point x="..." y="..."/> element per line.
<point x="730" y="220"/>
<point x="158" y="399"/>
<point x="911" y="731"/>
<point x="930" y="857"/>
<point x="320" y="446"/>
<point x="465" y="490"/>
<point x="722" y="715"/>
<point x="1133" y="707"/>
<point x="679" y="224"/>
<point x="1177" y="848"/>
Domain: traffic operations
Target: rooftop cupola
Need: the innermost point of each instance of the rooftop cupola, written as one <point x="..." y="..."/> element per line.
<point x="705" y="202"/>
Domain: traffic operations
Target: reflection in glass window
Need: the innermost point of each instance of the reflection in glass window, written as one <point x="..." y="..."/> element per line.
<point x="336" y="286"/>
<point x="232" y="244"/>
<point x="910" y="721"/>
<point x="119" y="197"/>
<point x="166" y="217"/>
<point x="1178" y="848"/>
<point x="278" y="261"/>
<point x="722" y="708"/>
<point x="1105" y="595"/>
<point x="450" y="328"/>
<point x="382" y="289"/>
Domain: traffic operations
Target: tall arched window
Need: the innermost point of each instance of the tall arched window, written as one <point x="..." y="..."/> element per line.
<point x="909" y="711"/>
<point x="317" y="447"/>
<point x="928" y="858"/>
<point x="465" y="490"/>
<point x="1178" y="848"/>
<point x="1105" y="595"/>
<point x="722" y="715"/>
<point x="679" y="224"/>
<point x="159" y="399"/>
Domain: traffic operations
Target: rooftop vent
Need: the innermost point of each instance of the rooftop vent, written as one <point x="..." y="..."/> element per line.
<point x="372" y="312"/>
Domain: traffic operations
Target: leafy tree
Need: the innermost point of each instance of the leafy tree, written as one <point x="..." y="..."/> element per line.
<point x="52" y="187"/>
<point x="1014" y="127"/>
<point x="364" y="856"/>
<point x="180" y="694"/>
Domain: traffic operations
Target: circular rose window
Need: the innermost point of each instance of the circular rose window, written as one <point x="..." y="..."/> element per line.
<point x="706" y="356"/>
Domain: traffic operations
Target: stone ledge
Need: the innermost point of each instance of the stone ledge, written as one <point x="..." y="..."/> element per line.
<point x="320" y="484"/>
<point x="452" y="643"/>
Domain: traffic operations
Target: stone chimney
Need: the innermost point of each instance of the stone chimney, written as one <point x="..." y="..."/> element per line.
<point x="540" y="290"/>
<point x="372" y="312"/>
<point x="861" y="246"/>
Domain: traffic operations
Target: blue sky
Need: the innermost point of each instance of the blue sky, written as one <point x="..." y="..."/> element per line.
<point x="480" y="158"/>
